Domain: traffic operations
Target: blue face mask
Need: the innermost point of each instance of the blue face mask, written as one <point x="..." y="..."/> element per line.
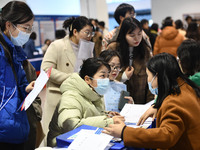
<point x="102" y="86"/>
<point x="21" y="38"/>
<point x="153" y="91"/>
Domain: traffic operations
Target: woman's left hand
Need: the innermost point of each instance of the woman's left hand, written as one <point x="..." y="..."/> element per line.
<point x="114" y="129"/>
<point x="30" y="87"/>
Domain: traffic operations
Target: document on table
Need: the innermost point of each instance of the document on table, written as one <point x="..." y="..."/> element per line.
<point x="132" y="114"/>
<point x="150" y="103"/>
<point x="112" y="96"/>
<point x="90" y="141"/>
<point x="38" y="86"/>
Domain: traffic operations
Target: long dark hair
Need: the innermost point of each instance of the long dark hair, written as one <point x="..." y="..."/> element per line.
<point x="76" y="23"/>
<point x="193" y="31"/>
<point x="189" y="56"/>
<point x="91" y="66"/>
<point x="129" y="25"/>
<point x="16" y="12"/>
<point x="167" y="70"/>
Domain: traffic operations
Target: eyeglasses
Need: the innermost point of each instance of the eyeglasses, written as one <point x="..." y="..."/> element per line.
<point x="27" y="29"/>
<point x="88" y="34"/>
<point x="113" y="67"/>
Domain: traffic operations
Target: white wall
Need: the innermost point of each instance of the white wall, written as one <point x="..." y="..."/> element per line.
<point x="96" y="9"/>
<point x="174" y="8"/>
<point x="4" y="2"/>
<point x="51" y="7"/>
<point x="137" y="4"/>
<point x="54" y="7"/>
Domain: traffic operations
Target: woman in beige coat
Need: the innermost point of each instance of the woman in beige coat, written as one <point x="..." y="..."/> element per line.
<point x="61" y="55"/>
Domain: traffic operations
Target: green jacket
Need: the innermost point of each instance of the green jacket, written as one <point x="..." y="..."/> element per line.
<point x="195" y="78"/>
<point x="79" y="105"/>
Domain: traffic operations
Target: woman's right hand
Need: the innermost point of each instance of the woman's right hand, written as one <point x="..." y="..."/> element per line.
<point x="129" y="72"/>
<point x="151" y="112"/>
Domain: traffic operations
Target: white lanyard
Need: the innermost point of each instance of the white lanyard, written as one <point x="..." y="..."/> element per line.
<point x="1" y="107"/>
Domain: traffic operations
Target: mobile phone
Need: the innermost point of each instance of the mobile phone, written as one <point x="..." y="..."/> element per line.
<point x="122" y="100"/>
<point x="130" y="57"/>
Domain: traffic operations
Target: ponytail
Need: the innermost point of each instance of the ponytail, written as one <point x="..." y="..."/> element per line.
<point x="76" y="23"/>
<point x="68" y="24"/>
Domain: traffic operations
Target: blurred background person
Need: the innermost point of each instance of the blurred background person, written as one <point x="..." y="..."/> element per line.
<point x="122" y="11"/>
<point x="29" y="47"/>
<point x="179" y="27"/>
<point x="47" y="42"/>
<point x="60" y="34"/>
<point x="169" y="39"/>
<point x="192" y="31"/>
<point x="145" y="26"/>
<point x="103" y="29"/>
<point x="188" y="20"/>
<point x="153" y="34"/>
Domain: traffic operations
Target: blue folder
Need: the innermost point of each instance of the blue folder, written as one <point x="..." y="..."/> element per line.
<point x="63" y="141"/>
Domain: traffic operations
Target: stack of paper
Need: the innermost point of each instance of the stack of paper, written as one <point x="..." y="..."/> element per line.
<point x="90" y="140"/>
<point x="132" y="114"/>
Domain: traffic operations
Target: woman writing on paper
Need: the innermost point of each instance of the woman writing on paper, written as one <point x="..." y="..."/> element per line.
<point x="178" y="104"/>
<point x="82" y="100"/>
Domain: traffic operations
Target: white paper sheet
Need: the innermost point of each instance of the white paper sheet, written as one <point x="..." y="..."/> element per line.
<point x="90" y="141"/>
<point x="39" y="84"/>
<point x="132" y="114"/>
<point x="150" y="103"/>
<point x="85" y="51"/>
<point x="112" y="96"/>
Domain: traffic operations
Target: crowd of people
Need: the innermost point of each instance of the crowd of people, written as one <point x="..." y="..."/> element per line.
<point x="162" y="65"/>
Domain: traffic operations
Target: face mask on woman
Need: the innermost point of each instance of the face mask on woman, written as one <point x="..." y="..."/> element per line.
<point x="102" y="86"/>
<point x="21" y="38"/>
<point x="153" y="91"/>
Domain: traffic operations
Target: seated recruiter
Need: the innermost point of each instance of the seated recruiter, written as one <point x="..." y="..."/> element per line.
<point x="189" y="59"/>
<point x="178" y="104"/>
<point x="82" y="100"/>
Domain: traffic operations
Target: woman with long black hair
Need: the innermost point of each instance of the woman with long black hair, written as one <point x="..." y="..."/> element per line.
<point x="135" y="54"/>
<point x="178" y="104"/>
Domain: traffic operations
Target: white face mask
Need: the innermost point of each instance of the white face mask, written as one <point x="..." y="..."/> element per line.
<point x="102" y="86"/>
<point x="21" y="38"/>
